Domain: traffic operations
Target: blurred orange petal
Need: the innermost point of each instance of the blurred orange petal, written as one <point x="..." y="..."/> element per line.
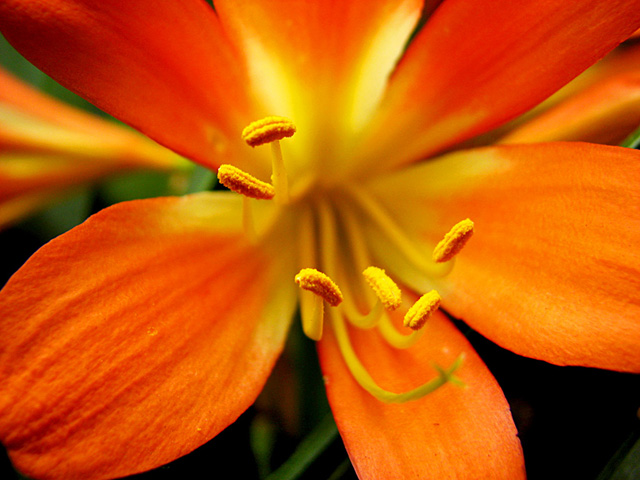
<point x="47" y="148"/>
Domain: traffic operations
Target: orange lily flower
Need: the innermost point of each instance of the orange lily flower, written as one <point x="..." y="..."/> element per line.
<point x="141" y="334"/>
<point x="47" y="147"/>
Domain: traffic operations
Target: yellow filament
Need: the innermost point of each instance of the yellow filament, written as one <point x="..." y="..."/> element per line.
<point x="317" y="282"/>
<point x="279" y="175"/>
<point x="311" y="306"/>
<point x="247" y="221"/>
<point x="312" y="313"/>
<point x="422" y="310"/>
<point x="241" y="182"/>
<point x="453" y="241"/>
<point x="385" y="288"/>
<point x="267" y="130"/>
<point x="364" y="321"/>
<point x="329" y="252"/>
<point x="360" y="258"/>
<point x="405" y="245"/>
<point x="395" y="338"/>
<point x="364" y="379"/>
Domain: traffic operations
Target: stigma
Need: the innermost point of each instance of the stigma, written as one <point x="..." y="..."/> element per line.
<point x="453" y="241"/>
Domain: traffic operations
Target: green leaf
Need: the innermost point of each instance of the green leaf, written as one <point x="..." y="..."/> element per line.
<point x="62" y="216"/>
<point x="308" y="450"/>
<point x="339" y="472"/>
<point x="201" y="179"/>
<point x="625" y="464"/>
<point x="633" y="140"/>
<point x="262" y="435"/>
<point x="131" y="186"/>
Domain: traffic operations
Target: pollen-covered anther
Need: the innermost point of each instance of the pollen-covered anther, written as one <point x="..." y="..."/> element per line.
<point x="267" y="130"/>
<point x="453" y="241"/>
<point x="241" y="182"/>
<point x="317" y="282"/>
<point x="385" y="289"/>
<point x="422" y="310"/>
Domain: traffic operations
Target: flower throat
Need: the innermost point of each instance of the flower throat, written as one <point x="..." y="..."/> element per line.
<point x="336" y="266"/>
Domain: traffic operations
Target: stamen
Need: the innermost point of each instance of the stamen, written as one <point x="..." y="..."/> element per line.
<point x="267" y="130"/>
<point x="385" y="288"/>
<point x="272" y="130"/>
<point x="279" y="174"/>
<point x="422" y="310"/>
<point x="241" y="182"/>
<point x="317" y="282"/>
<point x="395" y="338"/>
<point x="360" y="320"/>
<point x="311" y="306"/>
<point x="328" y="236"/>
<point x="312" y="313"/>
<point x="453" y="241"/>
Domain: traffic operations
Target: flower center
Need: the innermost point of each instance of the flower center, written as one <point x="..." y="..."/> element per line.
<point x="333" y="228"/>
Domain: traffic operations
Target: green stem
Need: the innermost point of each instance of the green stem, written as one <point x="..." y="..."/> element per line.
<point x="309" y="449"/>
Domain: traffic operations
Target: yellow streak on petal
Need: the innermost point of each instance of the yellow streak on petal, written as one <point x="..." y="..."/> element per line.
<point x="317" y="282"/>
<point x="422" y="310"/>
<point x="241" y="182"/>
<point x="267" y="130"/>
<point x="385" y="288"/>
<point x="453" y="241"/>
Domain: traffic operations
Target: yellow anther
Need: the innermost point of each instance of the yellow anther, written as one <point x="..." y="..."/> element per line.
<point x="320" y="284"/>
<point x="241" y="182"/>
<point x="453" y="241"/>
<point x="267" y="130"/>
<point x="385" y="288"/>
<point x="420" y="312"/>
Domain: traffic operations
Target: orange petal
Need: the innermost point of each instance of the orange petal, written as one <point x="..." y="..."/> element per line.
<point x="455" y="432"/>
<point x="31" y="121"/>
<point x="322" y="64"/>
<point x="31" y="182"/>
<point x="604" y="113"/>
<point x="168" y="70"/>
<point x="552" y="269"/>
<point x="596" y="105"/>
<point x="477" y="64"/>
<point x="136" y="337"/>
